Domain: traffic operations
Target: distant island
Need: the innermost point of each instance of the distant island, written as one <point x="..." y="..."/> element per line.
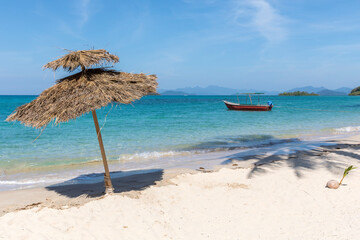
<point x="355" y="92"/>
<point x="298" y="93"/>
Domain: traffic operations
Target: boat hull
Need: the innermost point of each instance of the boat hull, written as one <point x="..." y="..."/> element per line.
<point x="243" y="107"/>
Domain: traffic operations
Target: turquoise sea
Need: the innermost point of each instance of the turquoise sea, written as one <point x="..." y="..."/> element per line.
<point x="156" y="129"/>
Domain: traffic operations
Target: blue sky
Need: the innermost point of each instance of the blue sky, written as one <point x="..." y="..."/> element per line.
<point x="263" y="44"/>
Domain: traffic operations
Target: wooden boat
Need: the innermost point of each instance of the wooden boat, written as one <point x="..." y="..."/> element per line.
<point x="249" y="107"/>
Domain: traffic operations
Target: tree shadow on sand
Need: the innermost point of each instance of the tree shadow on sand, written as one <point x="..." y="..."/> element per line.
<point x="274" y="157"/>
<point x="132" y="181"/>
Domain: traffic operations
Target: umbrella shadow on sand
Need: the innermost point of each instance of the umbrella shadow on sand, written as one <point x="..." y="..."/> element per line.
<point x="92" y="185"/>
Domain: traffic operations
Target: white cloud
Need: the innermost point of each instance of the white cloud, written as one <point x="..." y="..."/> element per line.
<point x="261" y="16"/>
<point x="84" y="12"/>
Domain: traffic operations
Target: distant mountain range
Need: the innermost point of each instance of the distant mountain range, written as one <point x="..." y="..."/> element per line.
<point x="210" y="90"/>
<point x="217" y="90"/>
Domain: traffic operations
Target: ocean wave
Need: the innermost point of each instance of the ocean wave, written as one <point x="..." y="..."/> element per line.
<point x="151" y="155"/>
<point x="349" y="129"/>
<point x="22" y="182"/>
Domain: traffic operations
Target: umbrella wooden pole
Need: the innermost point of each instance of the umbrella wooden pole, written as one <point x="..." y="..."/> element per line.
<point x="108" y="185"/>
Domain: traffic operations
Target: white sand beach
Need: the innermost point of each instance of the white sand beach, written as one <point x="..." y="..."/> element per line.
<point x="180" y="120"/>
<point x="280" y="197"/>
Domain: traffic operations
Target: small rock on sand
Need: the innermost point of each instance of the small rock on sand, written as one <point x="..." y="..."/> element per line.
<point x="333" y="184"/>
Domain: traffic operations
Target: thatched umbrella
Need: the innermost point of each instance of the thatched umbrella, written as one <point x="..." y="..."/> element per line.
<point x="83" y="59"/>
<point x="83" y="92"/>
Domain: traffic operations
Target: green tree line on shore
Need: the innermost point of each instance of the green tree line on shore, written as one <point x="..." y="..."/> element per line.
<point x="298" y="93"/>
<point x="355" y="92"/>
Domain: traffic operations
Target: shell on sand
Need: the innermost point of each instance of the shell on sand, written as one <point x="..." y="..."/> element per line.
<point x="333" y="184"/>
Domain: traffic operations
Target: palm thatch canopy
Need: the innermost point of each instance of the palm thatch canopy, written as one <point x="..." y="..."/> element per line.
<point x="81" y="93"/>
<point x="83" y="59"/>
